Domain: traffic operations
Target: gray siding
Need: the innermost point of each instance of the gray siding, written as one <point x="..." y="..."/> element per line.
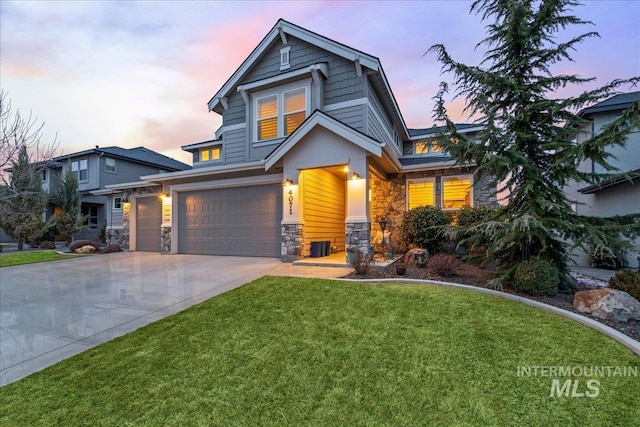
<point x="235" y="146"/>
<point x="237" y="111"/>
<point x="351" y="116"/>
<point x="375" y="128"/>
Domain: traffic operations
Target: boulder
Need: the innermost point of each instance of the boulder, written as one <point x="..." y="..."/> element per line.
<point x="607" y="303"/>
<point x="416" y="258"/>
<point x="88" y="249"/>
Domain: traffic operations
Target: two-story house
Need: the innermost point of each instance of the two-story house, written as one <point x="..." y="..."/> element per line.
<point x="313" y="147"/>
<point x="99" y="167"/>
<point x="619" y="196"/>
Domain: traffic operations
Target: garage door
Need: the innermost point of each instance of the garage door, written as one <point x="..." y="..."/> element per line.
<point x="241" y="221"/>
<point x="148" y="221"/>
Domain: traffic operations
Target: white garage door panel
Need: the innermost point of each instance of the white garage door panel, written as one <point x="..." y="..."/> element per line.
<point x="241" y="221"/>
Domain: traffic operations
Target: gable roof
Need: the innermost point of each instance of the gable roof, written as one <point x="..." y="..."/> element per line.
<point x="621" y="101"/>
<point x="140" y="155"/>
<point x="280" y="30"/>
<point x="318" y="118"/>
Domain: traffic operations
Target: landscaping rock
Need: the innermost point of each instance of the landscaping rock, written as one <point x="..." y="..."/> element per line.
<point x="416" y="258"/>
<point x="88" y="249"/>
<point x="608" y="304"/>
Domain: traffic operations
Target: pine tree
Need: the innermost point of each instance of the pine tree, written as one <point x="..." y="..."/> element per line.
<point x="24" y="202"/>
<point x="68" y="221"/>
<point x="529" y="140"/>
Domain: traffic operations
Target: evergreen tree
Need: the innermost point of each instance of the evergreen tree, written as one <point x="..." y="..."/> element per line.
<point x="68" y="221"/>
<point x="24" y="202"/>
<point x="529" y="140"/>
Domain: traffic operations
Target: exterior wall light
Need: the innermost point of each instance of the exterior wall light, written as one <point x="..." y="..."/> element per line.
<point x="355" y="175"/>
<point x="288" y="182"/>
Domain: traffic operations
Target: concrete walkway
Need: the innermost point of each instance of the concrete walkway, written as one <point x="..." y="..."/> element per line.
<point x="50" y="311"/>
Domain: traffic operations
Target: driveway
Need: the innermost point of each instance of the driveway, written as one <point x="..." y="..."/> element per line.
<point x="52" y="310"/>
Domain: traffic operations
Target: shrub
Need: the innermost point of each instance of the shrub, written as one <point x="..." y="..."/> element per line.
<point x="361" y="262"/>
<point x="444" y="265"/>
<point x="80" y="243"/>
<point x="47" y="245"/>
<point x="422" y="227"/>
<point x="536" y="277"/>
<point x="114" y="247"/>
<point x="469" y="216"/>
<point x="627" y="281"/>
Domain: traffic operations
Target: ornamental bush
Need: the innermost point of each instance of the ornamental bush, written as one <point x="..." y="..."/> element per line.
<point x="627" y="281"/>
<point x="444" y="265"/>
<point x="422" y="227"/>
<point x="536" y="277"/>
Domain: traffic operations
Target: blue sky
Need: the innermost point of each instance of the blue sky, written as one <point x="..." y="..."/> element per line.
<point x="140" y="73"/>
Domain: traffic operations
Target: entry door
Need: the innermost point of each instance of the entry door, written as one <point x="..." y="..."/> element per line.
<point x="148" y="222"/>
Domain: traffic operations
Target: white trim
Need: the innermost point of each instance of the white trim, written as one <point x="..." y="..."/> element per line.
<point x="358" y="67"/>
<point x="115" y="227"/>
<point x="227" y="183"/>
<point x="279" y="93"/>
<point x="199" y="172"/>
<point x="125" y="185"/>
<point x="322" y="67"/>
<point x="285" y="51"/>
<point x="346" y="104"/>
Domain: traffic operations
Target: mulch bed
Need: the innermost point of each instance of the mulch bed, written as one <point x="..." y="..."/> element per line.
<point x="473" y="275"/>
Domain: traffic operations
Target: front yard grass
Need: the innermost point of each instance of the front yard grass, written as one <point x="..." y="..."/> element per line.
<point x="17" y="258"/>
<point x="292" y="351"/>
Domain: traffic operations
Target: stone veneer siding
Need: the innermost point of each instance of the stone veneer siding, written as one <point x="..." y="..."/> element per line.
<point x="292" y="242"/>
<point x="165" y="240"/>
<point x="389" y="199"/>
<point x="358" y="236"/>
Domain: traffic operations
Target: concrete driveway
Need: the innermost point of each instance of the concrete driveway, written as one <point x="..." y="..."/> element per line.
<point x="50" y="311"/>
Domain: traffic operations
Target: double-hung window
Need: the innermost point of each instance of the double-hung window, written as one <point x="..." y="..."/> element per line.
<point x="80" y="168"/>
<point x="278" y="113"/>
<point x="110" y="165"/>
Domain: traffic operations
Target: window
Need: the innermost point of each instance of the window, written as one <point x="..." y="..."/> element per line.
<point x="420" y="192"/>
<point x="44" y="175"/>
<point x="427" y="147"/>
<point x="117" y="203"/>
<point x="80" y="169"/>
<point x="279" y="114"/>
<point x="284" y="58"/>
<point x="268" y="117"/>
<point x="210" y="153"/>
<point x="91" y="212"/>
<point x="295" y="109"/>
<point x="110" y="165"/>
<point x="457" y="191"/>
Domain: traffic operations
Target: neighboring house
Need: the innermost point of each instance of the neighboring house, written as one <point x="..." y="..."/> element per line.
<point x="616" y="196"/>
<point x="98" y="168"/>
<point x="313" y="147"/>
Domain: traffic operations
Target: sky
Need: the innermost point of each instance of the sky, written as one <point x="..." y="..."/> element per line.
<point x="133" y="74"/>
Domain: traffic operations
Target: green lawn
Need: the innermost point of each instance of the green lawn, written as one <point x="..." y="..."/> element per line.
<point x="291" y="351"/>
<point x="17" y="258"/>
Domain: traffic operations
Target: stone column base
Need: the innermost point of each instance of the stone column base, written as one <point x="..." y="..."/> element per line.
<point x="292" y="246"/>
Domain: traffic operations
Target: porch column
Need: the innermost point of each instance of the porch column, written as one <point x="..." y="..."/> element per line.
<point x="292" y="245"/>
<point x="358" y="226"/>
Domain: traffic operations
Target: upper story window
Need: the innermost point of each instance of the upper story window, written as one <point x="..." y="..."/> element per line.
<point x="210" y="153"/>
<point x="420" y="192"/>
<point x="80" y="168"/>
<point x="110" y="165"/>
<point x="279" y="112"/>
<point x="44" y="175"/>
<point x="426" y="147"/>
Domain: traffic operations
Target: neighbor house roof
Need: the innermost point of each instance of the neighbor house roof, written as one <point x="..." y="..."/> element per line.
<point x="630" y="177"/>
<point x="139" y="155"/>
<point x="621" y="101"/>
<point x="280" y="30"/>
